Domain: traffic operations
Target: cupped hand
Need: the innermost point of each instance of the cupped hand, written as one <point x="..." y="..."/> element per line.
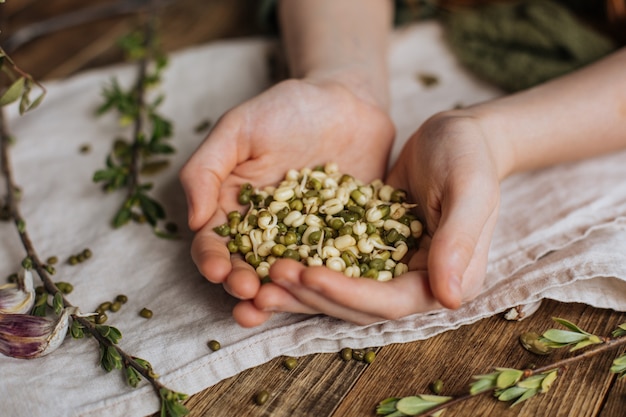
<point x="449" y="169"/>
<point x="295" y="124"/>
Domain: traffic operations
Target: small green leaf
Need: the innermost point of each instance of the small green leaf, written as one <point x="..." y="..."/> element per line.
<point x="76" y="330"/>
<point x="57" y="303"/>
<point x="592" y="340"/>
<point x="132" y="377"/>
<point x="13" y="93"/>
<point x="564" y="336"/>
<point x="483" y="383"/>
<point x="121" y="217"/>
<point x="532" y="382"/>
<point x="511" y="393"/>
<point x="547" y="382"/>
<point x="105" y="174"/>
<point x="620" y="331"/>
<point x="528" y="394"/>
<point x="387" y="406"/>
<point x="569" y="325"/>
<point x="419" y="403"/>
<point x="619" y="366"/>
<point x="508" y="377"/>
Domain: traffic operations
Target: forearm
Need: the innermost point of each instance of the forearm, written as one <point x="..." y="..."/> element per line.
<point x="340" y="40"/>
<point x="577" y="116"/>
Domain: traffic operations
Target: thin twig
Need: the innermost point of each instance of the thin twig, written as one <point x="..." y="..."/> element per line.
<point x="607" y="345"/>
<point x="38" y="265"/>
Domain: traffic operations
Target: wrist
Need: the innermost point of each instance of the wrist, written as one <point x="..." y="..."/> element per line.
<point x="493" y="132"/>
<point x="363" y="83"/>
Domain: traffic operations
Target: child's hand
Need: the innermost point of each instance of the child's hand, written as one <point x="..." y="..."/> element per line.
<point x="292" y="125"/>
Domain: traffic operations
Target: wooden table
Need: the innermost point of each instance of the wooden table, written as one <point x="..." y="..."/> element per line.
<point x="323" y="385"/>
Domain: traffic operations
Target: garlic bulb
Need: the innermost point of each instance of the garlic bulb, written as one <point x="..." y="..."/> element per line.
<point x="26" y="337"/>
<point x="18" y="297"/>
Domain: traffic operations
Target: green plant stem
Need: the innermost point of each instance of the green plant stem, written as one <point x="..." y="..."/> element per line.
<point x="38" y="265"/>
<point x="607" y="345"/>
<point x="140" y="90"/>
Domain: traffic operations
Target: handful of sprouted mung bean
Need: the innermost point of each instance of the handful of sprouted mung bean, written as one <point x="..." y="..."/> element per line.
<point x="323" y="217"/>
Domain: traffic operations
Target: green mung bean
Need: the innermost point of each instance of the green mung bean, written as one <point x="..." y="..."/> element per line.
<point x="369" y="356"/>
<point x="214" y="345"/>
<point x="146" y="313"/>
<point x="346" y="354"/>
<point x="358" y="354"/>
<point x="261" y="397"/>
<point x="290" y="363"/>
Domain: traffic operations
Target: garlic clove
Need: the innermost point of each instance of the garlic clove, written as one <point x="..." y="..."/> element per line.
<point x="18" y="297"/>
<point x="26" y="337"/>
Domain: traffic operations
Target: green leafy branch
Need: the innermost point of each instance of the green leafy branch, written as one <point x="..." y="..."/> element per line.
<point x="111" y="355"/>
<point x="144" y="152"/>
<point x="20" y="85"/>
<point x="516" y="385"/>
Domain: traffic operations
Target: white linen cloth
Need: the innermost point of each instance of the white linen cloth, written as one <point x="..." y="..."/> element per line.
<point x="560" y="234"/>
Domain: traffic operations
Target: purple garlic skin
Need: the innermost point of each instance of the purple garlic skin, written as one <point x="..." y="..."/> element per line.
<point x="27" y="337"/>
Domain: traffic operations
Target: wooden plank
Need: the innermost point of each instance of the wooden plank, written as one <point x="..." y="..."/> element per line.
<point x="186" y="23"/>
<point x="615" y="404"/>
<point x="407" y="369"/>
<point x="314" y="388"/>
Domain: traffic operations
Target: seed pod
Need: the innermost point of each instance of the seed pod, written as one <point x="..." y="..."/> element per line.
<point x="26" y="337"/>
